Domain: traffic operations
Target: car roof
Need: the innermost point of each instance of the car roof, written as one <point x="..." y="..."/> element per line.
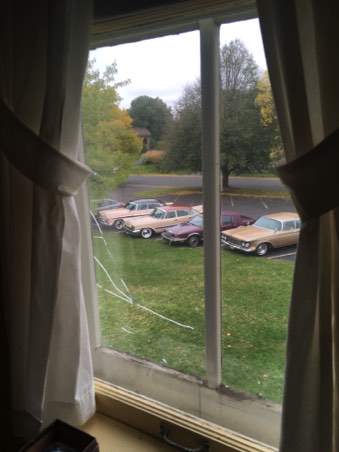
<point x="229" y="212"/>
<point x="283" y="216"/>
<point x="140" y="200"/>
<point x="168" y="208"/>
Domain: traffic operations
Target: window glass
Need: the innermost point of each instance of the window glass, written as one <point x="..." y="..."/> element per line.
<point x="171" y="214"/>
<point x="158" y="213"/>
<point x="226" y="219"/>
<point x="182" y="213"/>
<point x="151" y="293"/>
<point x="139" y="281"/>
<point x="256" y="290"/>
<point x="131" y="206"/>
<point x="289" y="225"/>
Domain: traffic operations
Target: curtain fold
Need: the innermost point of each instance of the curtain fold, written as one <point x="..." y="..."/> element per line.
<point x="300" y="40"/>
<point x="43" y="55"/>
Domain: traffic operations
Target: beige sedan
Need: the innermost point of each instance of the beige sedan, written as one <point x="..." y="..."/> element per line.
<point x="160" y="219"/>
<point x="268" y="232"/>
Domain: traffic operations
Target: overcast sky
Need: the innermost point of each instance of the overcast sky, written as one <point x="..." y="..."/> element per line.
<point x="162" y="67"/>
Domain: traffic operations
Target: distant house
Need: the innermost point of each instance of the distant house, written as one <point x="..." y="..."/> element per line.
<point x="145" y="135"/>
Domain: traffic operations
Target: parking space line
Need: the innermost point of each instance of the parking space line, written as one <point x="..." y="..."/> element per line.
<point x="263" y="203"/>
<point x="282" y="255"/>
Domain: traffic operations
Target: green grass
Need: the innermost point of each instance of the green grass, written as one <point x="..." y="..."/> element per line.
<point x="164" y="320"/>
<point x="144" y="169"/>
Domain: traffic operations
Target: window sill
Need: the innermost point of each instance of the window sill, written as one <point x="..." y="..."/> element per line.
<point x="126" y="421"/>
<point x="114" y="436"/>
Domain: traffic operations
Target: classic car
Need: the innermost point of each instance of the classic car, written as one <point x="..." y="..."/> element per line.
<point x="192" y="231"/>
<point x="267" y="232"/>
<point x="107" y="204"/>
<point x="159" y="219"/>
<point x="133" y="208"/>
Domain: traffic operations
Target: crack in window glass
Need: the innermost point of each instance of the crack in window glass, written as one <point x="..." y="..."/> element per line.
<point x="120" y="293"/>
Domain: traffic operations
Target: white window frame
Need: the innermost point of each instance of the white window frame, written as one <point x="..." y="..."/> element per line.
<point x="207" y="400"/>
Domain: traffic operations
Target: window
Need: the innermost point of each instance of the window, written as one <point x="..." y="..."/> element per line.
<point x="159" y="370"/>
<point x="182" y="213"/>
<point x="289" y="225"/>
<point x="171" y="214"/>
<point x="227" y="219"/>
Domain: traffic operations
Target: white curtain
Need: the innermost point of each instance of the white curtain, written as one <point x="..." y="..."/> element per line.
<point x="301" y="43"/>
<point x="43" y="54"/>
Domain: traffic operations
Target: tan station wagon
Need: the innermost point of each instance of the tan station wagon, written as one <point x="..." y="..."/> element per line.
<point x="134" y="208"/>
<point x="161" y="218"/>
<point x="267" y="232"/>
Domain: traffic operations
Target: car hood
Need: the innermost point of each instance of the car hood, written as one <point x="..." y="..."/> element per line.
<point x="140" y="222"/>
<point x="184" y="228"/>
<point x="248" y="233"/>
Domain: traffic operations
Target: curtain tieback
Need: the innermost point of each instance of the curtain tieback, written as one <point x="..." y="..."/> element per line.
<point x="313" y="178"/>
<point x="37" y="160"/>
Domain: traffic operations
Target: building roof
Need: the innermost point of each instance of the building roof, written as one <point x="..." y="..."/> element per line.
<point x="142" y="132"/>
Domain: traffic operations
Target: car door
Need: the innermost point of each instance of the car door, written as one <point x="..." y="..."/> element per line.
<point x="169" y="220"/>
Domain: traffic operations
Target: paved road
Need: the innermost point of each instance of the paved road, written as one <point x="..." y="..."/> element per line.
<point x="196" y="181"/>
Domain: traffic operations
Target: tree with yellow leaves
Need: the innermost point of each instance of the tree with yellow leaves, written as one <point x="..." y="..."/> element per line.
<point x="265" y="103"/>
<point x="111" y="145"/>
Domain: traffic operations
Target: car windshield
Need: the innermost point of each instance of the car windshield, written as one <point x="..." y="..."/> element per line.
<point x="197" y="221"/>
<point x="268" y="223"/>
<point x="157" y="213"/>
<point x="130" y="206"/>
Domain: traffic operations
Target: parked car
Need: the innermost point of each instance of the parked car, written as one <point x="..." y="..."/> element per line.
<point x="192" y="231"/>
<point x="107" y="204"/>
<point x="269" y="231"/>
<point x="159" y="219"/>
<point x="134" y="208"/>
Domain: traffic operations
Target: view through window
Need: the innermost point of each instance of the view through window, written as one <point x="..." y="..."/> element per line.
<point x="142" y="125"/>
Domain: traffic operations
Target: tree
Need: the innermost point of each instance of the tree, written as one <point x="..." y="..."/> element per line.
<point x="243" y="145"/>
<point x="265" y="103"/>
<point x="244" y="141"/>
<point x="183" y="138"/>
<point x="111" y="145"/>
<point x="151" y="113"/>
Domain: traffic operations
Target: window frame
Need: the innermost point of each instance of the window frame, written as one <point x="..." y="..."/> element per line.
<point x="205" y="399"/>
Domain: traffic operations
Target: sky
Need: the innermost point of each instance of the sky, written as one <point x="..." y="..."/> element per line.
<point x="162" y="67"/>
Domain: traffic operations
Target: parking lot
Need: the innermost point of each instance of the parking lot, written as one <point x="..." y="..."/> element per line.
<point x="252" y="206"/>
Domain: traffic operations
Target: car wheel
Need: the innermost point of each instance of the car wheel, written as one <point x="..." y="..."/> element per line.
<point x="146" y="233"/>
<point x="261" y="249"/>
<point x="118" y="224"/>
<point x="193" y="241"/>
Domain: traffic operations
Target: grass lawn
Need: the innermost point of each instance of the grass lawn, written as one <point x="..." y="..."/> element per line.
<point x="151" y="305"/>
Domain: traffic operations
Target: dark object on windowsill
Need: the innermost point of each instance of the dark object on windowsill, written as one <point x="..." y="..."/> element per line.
<point x="62" y="437"/>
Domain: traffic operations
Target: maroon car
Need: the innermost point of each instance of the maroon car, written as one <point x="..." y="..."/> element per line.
<point x="192" y="231"/>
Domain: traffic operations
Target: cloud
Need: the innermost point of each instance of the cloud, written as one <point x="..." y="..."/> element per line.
<point x="162" y="67"/>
